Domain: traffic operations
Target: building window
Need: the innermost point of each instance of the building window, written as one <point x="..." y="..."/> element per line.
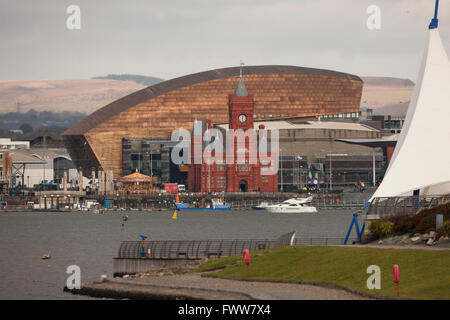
<point x="242" y="167"/>
<point x="221" y="167"/>
<point x="265" y="179"/>
<point x="1" y="156"/>
<point x="221" y="182"/>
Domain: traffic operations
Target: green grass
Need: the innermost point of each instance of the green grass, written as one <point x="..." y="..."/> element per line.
<point x="424" y="274"/>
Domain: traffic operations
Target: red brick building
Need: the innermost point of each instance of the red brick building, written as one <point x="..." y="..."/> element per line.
<point x="244" y="174"/>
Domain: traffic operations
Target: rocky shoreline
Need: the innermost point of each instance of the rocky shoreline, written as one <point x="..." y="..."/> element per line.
<point x="428" y="239"/>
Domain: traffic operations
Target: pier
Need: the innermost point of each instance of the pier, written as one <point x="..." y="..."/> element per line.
<point x="66" y="201"/>
<point x="143" y="256"/>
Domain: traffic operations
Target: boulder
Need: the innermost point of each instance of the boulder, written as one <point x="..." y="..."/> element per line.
<point x="415" y="239"/>
<point x="380" y="242"/>
<point x="430" y="242"/>
<point x="405" y="241"/>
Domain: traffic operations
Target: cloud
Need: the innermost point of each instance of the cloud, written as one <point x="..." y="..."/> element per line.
<point x="173" y="38"/>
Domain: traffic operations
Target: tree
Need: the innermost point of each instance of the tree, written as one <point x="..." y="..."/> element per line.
<point x="26" y="128"/>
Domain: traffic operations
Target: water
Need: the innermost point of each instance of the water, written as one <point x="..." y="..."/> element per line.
<point x="91" y="241"/>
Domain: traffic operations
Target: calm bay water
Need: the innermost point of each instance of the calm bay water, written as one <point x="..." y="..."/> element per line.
<point x="91" y="241"/>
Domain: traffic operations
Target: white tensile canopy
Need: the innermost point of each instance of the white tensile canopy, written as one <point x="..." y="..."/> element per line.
<point x="421" y="160"/>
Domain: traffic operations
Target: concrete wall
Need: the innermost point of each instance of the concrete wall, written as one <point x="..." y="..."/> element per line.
<point x="136" y="265"/>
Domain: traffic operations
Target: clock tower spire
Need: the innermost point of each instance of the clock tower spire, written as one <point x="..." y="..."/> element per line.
<point x="240" y="105"/>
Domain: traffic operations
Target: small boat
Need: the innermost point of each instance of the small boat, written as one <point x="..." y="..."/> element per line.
<point x="217" y="204"/>
<point x="295" y="205"/>
<point x="261" y="206"/>
<point x="46" y="256"/>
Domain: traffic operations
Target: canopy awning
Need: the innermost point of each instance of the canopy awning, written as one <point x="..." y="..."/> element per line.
<point x="137" y="177"/>
<point x="420" y="163"/>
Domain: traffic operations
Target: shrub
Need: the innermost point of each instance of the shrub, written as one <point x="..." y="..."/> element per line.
<point x="446" y="228"/>
<point x="421" y="222"/>
<point x="381" y="228"/>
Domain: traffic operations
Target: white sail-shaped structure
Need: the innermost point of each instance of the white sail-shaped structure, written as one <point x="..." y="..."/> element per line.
<point x="421" y="160"/>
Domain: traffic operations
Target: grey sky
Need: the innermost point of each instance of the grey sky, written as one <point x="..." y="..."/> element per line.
<point x="170" y="38"/>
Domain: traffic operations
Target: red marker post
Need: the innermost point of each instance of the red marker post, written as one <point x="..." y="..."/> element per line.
<point x="397" y="279"/>
<point x="246" y="254"/>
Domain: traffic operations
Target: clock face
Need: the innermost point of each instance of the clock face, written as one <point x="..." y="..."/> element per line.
<point x="242" y="118"/>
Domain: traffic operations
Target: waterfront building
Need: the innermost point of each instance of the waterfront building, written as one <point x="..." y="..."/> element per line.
<point x="5" y="168"/>
<point x="7" y="143"/>
<point x="305" y="146"/>
<point x="280" y="93"/>
<point x="245" y="172"/>
<point x="32" y="167"/>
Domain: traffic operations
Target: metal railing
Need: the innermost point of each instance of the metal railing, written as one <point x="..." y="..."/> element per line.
<point x="197" y="249"/>
<point x="321" y="241"/>
<point x="385" y="206"/>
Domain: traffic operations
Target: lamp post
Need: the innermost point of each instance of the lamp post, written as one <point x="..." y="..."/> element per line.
<point x="299" y="172"/>
<point x="301" y="177"/>
<point x="331" y="171"/>
<point x="373" y="165"/>
<point x="151" y="163"/>
<point x="281" y="164"/>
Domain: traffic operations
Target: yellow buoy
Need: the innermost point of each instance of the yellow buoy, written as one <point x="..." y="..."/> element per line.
<point x="174" y="215"/>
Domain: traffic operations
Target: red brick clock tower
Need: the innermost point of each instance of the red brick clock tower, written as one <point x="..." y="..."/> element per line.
<point x="237" y="176"/>
<point x="241" y="176"/>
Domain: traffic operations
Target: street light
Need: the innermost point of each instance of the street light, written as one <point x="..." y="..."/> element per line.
<point x="299" y="172"/>
<point x="373" y="164"/>
<point x="281" y="163"/>
<point x="331" y="173"/>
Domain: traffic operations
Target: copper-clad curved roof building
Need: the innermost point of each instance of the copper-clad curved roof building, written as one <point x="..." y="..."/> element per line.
<point x="280" y="92"/>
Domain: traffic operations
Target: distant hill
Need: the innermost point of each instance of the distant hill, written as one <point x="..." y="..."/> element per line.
<point x="147" y="81"/>
<point x="387" y="95"/>
<point x="83" y="95"/>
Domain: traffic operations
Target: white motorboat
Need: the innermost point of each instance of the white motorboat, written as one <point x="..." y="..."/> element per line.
<point x="295" y="205"/>
<point x="261" y="206"/>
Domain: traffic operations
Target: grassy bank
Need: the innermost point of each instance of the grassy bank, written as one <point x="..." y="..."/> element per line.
<point x="424" y="274"/>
